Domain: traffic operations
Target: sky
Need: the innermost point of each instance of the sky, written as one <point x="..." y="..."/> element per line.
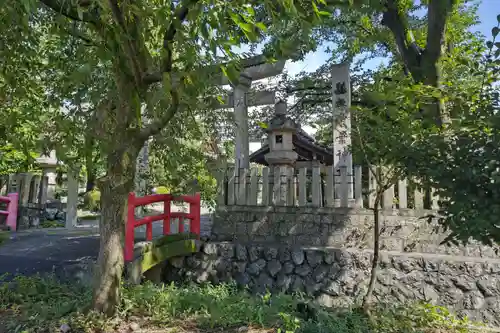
<point x="488" y="11"/>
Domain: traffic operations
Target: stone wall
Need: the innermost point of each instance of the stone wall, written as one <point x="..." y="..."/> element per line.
<point x="470" y="286"/>
<point x="402" y="230"/>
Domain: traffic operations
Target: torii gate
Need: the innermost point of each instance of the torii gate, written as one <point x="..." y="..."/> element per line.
<point x="254" y="69"/>
<point x="241" y="98"/>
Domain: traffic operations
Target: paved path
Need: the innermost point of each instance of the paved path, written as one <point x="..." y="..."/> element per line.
<point x="43" y="251"/>
<point x="46" y="250"/>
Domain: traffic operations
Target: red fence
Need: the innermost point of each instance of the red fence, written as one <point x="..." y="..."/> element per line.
<point x="194" y="202"/>
<point x="11" y="212"/>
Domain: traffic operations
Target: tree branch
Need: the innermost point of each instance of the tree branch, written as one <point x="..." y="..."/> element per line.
<point x="64" y="8"/>
<point x="245" y="63"/>
<point x="437" y="15"/>
<point x="130" y="47"/>
<point x="156" y="126"/>
<point x="409" y="51"/>
<point x="77" y="34"/>
<point x="179" y="16"/>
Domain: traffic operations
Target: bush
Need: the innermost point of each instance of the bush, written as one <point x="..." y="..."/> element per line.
<point x="92" y="200"/>
<point x="37" y="304"/>
<point x="4" y="236"/>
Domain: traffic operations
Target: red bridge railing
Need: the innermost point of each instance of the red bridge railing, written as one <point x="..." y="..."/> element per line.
<point x="11" y="212"/>
<point x="194" y="202"/>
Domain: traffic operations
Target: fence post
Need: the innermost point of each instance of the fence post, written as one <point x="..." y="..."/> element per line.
<point x="254" y="182"/>
<point x="402" y="194"/>
<point x="195" y="210"/>
<point x="242" y="186"/>
<point x="129" y="228"/>
<point x="276" y="191"/>
<point x="166" y="220"/>
<point x="316" y="186"/>
<point x="419" y="198"/>
<point x="265" y="187"/>
<point x="290" y="200"/>
<point x="302" y="184"/>
<point x="231" y="186"/>
<point x="388" y="195"/>
<point x="221" y="186"/>
<point x="330" y="187"/>
<point x="344" y="187"/>
<point x="372" y="185"/>
<point x="434" y="199"/>
<point x="12" y="208"/>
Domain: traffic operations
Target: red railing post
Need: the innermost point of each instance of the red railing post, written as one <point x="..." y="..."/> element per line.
<point x="166" y="220"/>
<point x="149" y="231"/>
<point x="12" y="210"/>
<point x="129" y="228"/>
<point x="195" y="210"/>
<point x="12" y="205"/>
<point x="180" y="225"/>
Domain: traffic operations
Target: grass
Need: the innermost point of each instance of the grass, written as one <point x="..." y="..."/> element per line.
<point x="42" y="304"/>
<point x="4" y="236"/>
<point x="89" y="217"/>
<point x="52" y="224"/>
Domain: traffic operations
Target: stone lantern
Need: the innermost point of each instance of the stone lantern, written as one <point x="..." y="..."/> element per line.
<point x="48" y="164"/>
<point x="280" y="131"/>
<point x="281" y="156"/>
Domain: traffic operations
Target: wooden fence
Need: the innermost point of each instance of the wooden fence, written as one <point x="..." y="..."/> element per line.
<point x="316" y="187"/>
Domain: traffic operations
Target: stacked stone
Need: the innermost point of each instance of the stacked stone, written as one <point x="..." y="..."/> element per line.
<point x="339" y="278"/>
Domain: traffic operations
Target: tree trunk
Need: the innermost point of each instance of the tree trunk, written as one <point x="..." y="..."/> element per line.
<point x="91" y="178"/>
<point x="367" y="301"/>
<point x="423" y="64"/>
<point x="116" y="131"/>
<point x="89" y="162"/>
<point x="114" y="188"/>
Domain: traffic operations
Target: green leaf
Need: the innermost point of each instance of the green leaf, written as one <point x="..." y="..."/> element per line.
<point x="232" y="73"/>
<point x="79" y="12"/>
<point x="315" y="8"/>
<point x="262" y="125"/>
<point x="261" y="26"/>
<point x="498" y="18"/>
<point x="250" y="10"/>
<point x="224" y="70"/>
<point x="235" y="17"/>
<point x="245" y="26"/>
<point x="495" y="31"/>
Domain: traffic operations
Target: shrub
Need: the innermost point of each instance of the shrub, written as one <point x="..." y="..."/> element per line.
<point x="92" y="200"/>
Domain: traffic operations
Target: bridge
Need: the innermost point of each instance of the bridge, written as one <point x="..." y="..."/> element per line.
<point x="149" y="256"/>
